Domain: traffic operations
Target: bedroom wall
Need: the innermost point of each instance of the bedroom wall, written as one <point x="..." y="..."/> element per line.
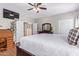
<point x="51" y="20"/>
<point x="55" y="19"/>
<point x="15" y="8"/>
<point x="6" y="23"/>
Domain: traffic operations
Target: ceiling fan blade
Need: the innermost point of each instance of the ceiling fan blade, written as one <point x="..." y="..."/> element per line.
<point x="30" y="9"/>
<point x="43" y="8"/>
<point x="30" y="4"/>
<point x="39" y="4"/>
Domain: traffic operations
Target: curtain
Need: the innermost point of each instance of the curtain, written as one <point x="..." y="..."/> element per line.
<point x="76" y="20"/>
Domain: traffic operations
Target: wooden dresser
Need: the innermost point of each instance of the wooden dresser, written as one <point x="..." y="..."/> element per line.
<point x="7" y="46"/>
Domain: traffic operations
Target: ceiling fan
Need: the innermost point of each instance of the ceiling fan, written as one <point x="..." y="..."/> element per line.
<point x="36" y="7"/>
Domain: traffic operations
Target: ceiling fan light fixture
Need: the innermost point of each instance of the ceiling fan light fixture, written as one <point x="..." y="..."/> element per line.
<point x="36" y="9"/>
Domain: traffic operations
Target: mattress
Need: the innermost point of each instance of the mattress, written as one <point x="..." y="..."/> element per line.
<point x="48" y="45"/>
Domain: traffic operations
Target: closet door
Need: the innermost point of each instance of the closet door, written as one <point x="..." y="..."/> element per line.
<point x="27" y="29"/>
<point x="34" y="28"/>
<point x="65" y="26"/>
<point x="19" y="30"/>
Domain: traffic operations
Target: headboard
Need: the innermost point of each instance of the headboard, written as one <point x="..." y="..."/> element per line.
<point x="46" y="27"/>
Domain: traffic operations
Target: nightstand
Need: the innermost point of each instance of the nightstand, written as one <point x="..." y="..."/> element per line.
<point x="45" y="32"/>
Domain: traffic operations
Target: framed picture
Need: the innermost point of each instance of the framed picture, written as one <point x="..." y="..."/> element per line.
<point x="10" y="14"/>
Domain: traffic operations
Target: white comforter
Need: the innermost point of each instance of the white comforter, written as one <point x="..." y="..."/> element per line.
<point x="48" y="45"/>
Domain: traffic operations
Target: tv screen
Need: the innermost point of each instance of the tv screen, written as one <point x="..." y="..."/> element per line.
<point x="10" y="14"/>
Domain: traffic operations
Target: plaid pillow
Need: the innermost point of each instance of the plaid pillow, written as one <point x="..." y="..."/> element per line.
<point x="73" y="36"/>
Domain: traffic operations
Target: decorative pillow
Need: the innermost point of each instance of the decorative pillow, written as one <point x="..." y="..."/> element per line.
<point x="73" y="36"/>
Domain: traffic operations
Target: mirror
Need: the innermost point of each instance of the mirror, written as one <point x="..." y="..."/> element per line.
<point x="46" y="27"/>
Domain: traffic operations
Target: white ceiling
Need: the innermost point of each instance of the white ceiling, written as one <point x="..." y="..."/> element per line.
<point x="52" y="9"/>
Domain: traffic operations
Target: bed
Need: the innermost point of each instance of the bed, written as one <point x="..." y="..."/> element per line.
<point x="48" y="45"/>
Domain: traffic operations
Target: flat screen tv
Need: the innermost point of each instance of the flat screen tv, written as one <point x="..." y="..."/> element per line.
<point x="10" y="14"/>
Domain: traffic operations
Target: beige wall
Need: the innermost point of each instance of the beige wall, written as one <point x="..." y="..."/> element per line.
<point x="54" y="20"/>
<point x="23" y="15"/>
